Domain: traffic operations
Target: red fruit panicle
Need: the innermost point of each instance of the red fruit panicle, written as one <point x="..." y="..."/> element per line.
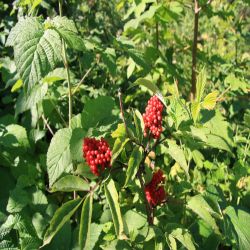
<point x="97" y="154"/>
<point x="153" y="117"/>
<point x="155" y="193"/>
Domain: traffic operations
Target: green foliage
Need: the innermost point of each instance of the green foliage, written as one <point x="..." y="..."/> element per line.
<point x="89" y="71"/>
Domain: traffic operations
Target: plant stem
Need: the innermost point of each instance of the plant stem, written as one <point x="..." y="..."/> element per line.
<point x="47" y="125"/>
<point x="194" y="50"/>
<point x="66" y="65"/>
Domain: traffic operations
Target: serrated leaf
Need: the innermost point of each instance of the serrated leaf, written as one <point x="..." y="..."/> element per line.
<point x="112" y="198"/>
<point x="36" y="51"/>
<point x="117" y="148"/>
<point x="133" y="164"/>
<point x="70" y="183"/>
<point x="195" y="109"/>
<point x="240" y="220"/>
<point x="86" y="215"/>
<point x="200" y="85"/>
<point x="61" y="216"/>
<point x="58" y="156"/>
<point x="27" y="101"/>
<point x="199" y="206"/>
<point x="209" y="101"/>
<point x="67" y="30"/>
<point x="178" y="155"/>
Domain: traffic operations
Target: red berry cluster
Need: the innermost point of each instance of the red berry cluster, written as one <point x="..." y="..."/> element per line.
<point x="154" y="191"/>
<point x="97" y="154"/>
<point x="153" y="117"/>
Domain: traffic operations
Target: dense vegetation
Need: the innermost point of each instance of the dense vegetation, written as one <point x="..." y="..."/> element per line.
<point x="125" y="124"/>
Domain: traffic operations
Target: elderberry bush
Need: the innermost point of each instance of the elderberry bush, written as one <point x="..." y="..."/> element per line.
<point x="124" y="125"/>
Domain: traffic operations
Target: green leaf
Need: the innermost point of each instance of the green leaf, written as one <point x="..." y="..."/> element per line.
<point x="97" y="111"/>
<point x="76" y="143"/>
<point x="240" y="220"/>
<point x="109" y="59"/>
<point x="27" y="101"/>
<point x="117" y="148"/>
<point x="112" y="198"/>
<point x="61" y="216"/>
<point x="84" y="232"/>
<point x="199" y="206"/>
<point x="178" y="155"/>
<point x="15" y="137"/>
<point x="209" y="101"/>
<point x="139" y="124"/>
<point x="184" y="237"/>
<point x="67" y="30"/>
<point x="133" y="164"/>
<point x="149" y="85"/>
<point x="120" y="132"/>
<point x="36" y="51"/>
<point x="131" y="67"/>
<point x="58" y="156"/>
<point x="235" y="83"/>
<point x="18" y="199"/>
<point x="18" y="84"/>
<point x="195" y="109"/>
<point x="70" y="183"/>
<point x="146" y="83"/>
<point x="200" y="85"/>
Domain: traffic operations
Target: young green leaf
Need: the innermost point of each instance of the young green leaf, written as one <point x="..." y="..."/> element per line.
<point x="117" y="148"/>
<point x="133" y="164"/>
<point x="200" y="85"/>
<point x="146" y="83"/>
<point x="84" y="232"/>
<point x="112" y="198"/>
<point x="61" y="216"/>
<point x="70" y="183"/>
<point x="58" y="156"/>
<point x="195" y="109"/>
<point x="209" y="101"/>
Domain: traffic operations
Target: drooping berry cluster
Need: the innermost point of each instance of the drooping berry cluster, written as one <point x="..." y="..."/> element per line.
<point x="153" y="117"/>
<point x="155" y="193"/>
<point x="97" y="154"/>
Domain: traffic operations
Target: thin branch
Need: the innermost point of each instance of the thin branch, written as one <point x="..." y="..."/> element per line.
<point x="194" y="50"/>
<point x="82" y="80"/>
<point x="47" y="125"/>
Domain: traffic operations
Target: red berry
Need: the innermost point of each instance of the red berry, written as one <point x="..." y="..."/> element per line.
<point x="155" y="193"/>
<point x="97" y="154"/>
<point x="153" y="117"/>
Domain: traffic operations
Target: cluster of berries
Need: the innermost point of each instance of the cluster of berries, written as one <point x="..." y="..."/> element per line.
<point x="153" y="117"/>
<point x="155" y="193"/>
<point x="97" y="154"/>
